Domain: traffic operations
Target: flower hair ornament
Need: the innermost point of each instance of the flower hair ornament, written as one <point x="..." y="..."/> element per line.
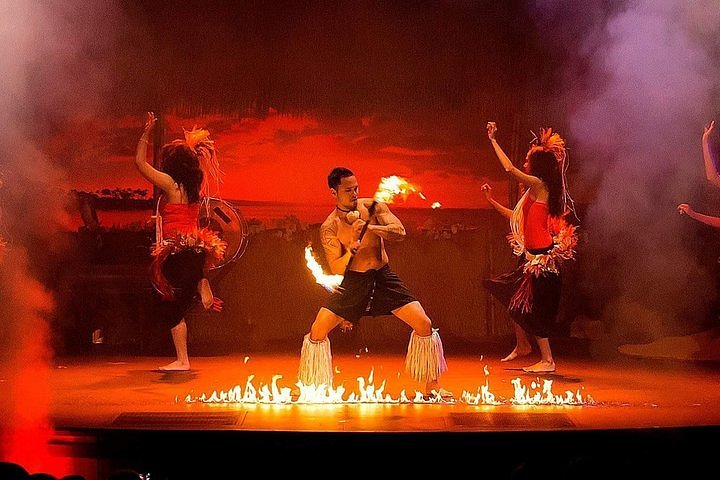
<point x="199" y="140"/>
<point x="199" y="239"/>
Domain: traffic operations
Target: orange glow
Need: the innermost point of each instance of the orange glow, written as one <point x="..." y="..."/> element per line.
<point x="368" y="392"/>
<point x="25" y="429"/>
<point x="531" y="396"/>
<point x="391" y="187"/>
<point x="328" y="282"/>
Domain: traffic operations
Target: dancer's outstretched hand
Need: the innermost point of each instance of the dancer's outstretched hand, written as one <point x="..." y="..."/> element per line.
<point x="708" y="129"/>
<point x="216" y="305"/>
<point x="684" y="209"/>
<point x="487" y="190"/>
<point x="150" y="122"/>
<point x="346" y="326"/>
<point x="491" y="130"/>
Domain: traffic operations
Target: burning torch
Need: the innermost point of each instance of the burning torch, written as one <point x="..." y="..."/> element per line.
<point x="352" y="218"/>
<point x="388" y="189"/>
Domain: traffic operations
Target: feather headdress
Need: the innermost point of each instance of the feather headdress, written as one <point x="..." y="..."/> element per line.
<point x="549" y="142"/>
<point x="199" y="140"/>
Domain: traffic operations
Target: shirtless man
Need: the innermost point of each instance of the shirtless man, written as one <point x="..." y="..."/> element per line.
<point x="367" y="275"/>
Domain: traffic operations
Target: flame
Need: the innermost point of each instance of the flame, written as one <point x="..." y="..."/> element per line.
<point x="523" y="395"/>
<point x="483" y="397"/>
<point x="328" y="282"/>
<point x="392" y="186"/>
<point x="538" y="393"/>
<point x="366" y="392"/>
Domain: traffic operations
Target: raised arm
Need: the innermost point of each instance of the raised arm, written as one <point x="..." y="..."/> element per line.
<point x="336" y="254"/>
<point x="710" y="169"/>
<point x="160" y="179"/>
<point x="522" y="177"/>
<point x="390" y="227"/>
<point x="685" y="209"/>
<point x="504" y="211"/>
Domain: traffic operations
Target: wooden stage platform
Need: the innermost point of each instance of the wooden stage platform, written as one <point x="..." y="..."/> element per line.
<point x="630" y="415"/>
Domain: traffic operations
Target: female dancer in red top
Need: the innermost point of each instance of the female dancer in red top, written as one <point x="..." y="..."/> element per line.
<point x="183" y="252"/>
<point x="542" y="240"/>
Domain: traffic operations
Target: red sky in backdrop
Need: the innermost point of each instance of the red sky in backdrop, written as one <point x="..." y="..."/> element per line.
<point x="283" y="158"/>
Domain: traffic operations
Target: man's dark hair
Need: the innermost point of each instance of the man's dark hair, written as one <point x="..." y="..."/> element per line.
<point x="336" y="176"/>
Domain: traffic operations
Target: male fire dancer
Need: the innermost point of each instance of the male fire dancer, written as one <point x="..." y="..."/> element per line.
<point x="353" y="237"/>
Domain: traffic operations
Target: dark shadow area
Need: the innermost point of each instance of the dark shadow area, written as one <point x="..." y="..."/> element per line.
<point x="557" y="454"/>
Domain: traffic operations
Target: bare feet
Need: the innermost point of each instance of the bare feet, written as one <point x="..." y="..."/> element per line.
<point x="541" y="367"/>
<point x="433" y="389"/>
<point x="176" y="366"/>
<point x="517" y="352"/>
<point x="441" y="395"/>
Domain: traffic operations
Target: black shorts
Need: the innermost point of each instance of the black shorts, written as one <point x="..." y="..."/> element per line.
<point x="542" y="320"/>
<point x="183" y="270"/>
<point x="374" y="293"/>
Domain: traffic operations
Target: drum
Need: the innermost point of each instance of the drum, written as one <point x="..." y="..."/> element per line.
<point x="221" y="217"/>
<point x="225" y="219"/>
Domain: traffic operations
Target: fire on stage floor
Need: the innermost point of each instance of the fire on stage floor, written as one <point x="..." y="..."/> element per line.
<point x="624" y="414"/>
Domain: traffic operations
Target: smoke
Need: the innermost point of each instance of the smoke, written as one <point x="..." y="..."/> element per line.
<point x="640" y="87"/>
<point x="54" y="69"/>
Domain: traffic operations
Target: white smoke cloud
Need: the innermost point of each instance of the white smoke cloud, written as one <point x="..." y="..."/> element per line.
<point x="640" y="87"/>
<point x="54" y="67"/>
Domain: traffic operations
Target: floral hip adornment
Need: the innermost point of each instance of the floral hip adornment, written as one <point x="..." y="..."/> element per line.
<point x="198" y="239"/>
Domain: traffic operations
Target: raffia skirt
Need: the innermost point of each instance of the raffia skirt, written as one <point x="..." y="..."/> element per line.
<point x="542" y="318"/>
<point x="183" y="270"/>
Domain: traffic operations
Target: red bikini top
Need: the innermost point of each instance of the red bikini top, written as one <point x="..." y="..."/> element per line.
<point x="179" y="217"/>
<point x="536" y="230"/>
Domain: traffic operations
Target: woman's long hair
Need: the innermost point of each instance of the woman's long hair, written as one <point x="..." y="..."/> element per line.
<point x="548" y="160"/>
<point x="181" y="162"/>
<point x="544" y="165"/>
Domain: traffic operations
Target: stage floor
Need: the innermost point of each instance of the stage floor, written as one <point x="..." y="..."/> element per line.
<point x="639" y="417"/>
<point x="621" y="393"/>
